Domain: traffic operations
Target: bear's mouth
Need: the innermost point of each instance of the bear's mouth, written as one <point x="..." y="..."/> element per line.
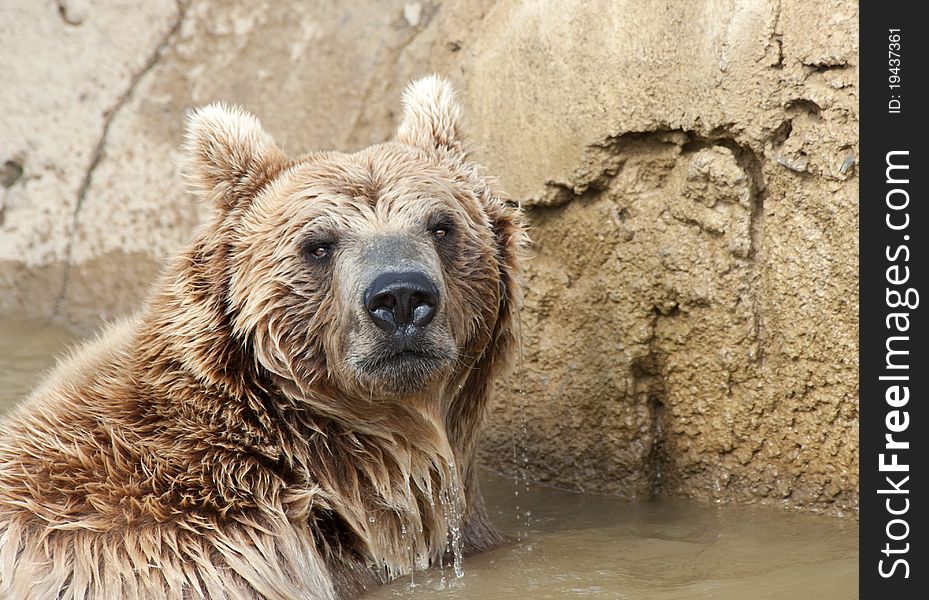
<point x="403" y="371"/>
<point x="411" y="358"/>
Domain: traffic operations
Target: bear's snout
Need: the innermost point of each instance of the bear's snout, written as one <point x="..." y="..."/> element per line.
<point x="401" y="302"/>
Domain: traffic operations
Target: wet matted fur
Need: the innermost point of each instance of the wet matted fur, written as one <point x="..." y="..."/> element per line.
<point x="251" y="432"/>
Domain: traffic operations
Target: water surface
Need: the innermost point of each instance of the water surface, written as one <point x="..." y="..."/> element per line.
<point x="567" y="545"/>
<point x="28" y="349"/>
<point x="586" y="546"/>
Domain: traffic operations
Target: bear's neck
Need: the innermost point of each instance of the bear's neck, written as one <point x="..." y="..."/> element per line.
<point x="397" y="506"/>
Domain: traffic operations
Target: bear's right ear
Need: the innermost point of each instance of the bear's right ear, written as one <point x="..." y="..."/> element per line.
<point x="432" y="116"/>
<point x="228" y="155"/>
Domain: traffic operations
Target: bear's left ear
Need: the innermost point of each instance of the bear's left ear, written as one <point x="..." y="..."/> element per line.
<point x="228" y="155"/>
<point x="431" y="116"/>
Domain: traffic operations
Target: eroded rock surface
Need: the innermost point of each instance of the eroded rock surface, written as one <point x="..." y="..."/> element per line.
<point x="689" y="174"/>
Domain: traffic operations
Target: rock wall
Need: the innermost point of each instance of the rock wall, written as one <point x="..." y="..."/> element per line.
<point x="688" y="170"/>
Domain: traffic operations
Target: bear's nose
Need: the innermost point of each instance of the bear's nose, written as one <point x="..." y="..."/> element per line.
<point x="395" y="300"/>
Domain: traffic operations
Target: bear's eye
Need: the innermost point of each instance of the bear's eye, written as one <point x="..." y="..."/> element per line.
<point x="317" y="251"/>
<point x="441" y="231"/>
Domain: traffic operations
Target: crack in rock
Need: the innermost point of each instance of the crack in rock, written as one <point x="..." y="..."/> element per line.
<point x="99" y="149"/>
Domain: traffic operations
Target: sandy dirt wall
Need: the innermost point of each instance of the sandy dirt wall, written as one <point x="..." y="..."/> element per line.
<point x="688" y="169"/>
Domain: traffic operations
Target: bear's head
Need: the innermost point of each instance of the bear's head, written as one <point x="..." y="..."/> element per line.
<point x="383" y="275"/>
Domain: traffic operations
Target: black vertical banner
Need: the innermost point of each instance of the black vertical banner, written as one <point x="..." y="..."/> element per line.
<point x="894" y="224"/>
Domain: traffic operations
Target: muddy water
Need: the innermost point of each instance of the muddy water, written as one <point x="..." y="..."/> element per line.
<point x="566" y="545"/>
<point x="585" y="546"/>
<point x="28" y="348"/>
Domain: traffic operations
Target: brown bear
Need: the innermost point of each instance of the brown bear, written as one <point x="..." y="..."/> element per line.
<point x="294" y="412"/>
